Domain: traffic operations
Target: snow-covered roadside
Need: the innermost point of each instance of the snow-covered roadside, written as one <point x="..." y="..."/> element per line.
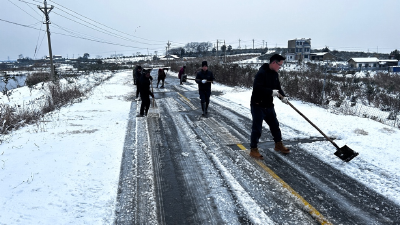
<point x="65" y="169"/>
<point x="35" y="97"/>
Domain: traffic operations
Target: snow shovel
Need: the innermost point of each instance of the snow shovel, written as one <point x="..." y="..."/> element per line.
<point x="197" y="79"/>
<point x="344" y="153"/>
<point x="152" y="109"/>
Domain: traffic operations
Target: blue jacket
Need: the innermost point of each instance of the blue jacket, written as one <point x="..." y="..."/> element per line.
<point x="265" y="81"/>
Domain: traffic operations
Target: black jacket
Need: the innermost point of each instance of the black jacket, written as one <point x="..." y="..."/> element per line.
<point x="265" y="81"/>
<point x="144" y="86"/>
<point x="208" y="75"/>
<point x="137" y="76"/>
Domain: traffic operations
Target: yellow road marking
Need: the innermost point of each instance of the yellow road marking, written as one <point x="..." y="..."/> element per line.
<point x="314" y="212"/>
<point x="183" y="96"/>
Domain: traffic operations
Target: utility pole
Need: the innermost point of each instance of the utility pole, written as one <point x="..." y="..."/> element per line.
<point x="217" y="49"/>
<point x="168" y="51"/>
<point x="253" y="44"/>
<point x="224" y="52"/>
<point x="239" y="43"/>
<point x="46" y="12"/>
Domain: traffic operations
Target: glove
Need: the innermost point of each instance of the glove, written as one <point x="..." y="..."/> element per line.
<point x="151" y="94"/>
<point x="275" y="93"/>
<point x="284" y="100"/>
<point x="204" y="81"/>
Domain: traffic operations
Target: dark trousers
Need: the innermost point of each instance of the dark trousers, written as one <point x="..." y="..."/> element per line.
<point x="137" y="90"/>
<point x="144" y="107"/>
<point x="205" y="96"/>
<point x="268" y="115"/>
<point x="161" y="79"/>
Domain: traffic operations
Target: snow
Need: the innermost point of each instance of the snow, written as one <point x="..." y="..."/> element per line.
<point x="65" y="168"/>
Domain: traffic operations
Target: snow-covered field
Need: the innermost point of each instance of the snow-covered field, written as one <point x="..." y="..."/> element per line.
<point x="65" y="168"/>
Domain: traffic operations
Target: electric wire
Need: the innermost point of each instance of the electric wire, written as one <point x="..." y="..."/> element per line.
<point x="111" y="34"/>
<point x="23" y="10"/>
<point x="103" y="24"/>
<point x="89" y="39"/>
<point x="103" y="30"/>
<point x="36" y="48"/>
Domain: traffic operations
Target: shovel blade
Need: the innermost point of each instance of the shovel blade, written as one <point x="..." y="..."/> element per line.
<point x="345" y="153"/>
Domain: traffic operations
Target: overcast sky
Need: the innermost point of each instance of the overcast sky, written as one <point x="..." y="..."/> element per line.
<point x="105" y="27"/>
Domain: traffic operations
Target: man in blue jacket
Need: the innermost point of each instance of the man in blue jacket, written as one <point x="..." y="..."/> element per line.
<point x="204" y="79"/>
<point x="266" y="86"/>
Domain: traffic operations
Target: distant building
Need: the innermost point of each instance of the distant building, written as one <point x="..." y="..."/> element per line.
<point x="299" y="49"/>
<point x="54" y="57"/>
<point x="169" y="57"/>
<point x="322" y="56"/>
<point x="388" y="62"/>
<point x="371" y="62"/>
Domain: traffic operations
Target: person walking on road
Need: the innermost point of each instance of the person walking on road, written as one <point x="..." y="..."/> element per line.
<point x="204" y="78"/>
<point x="161" y="77"/>
<point x="266" y="86"/>
<point x="181" y="74"/>
<point x="136" y="79"/>
<point x="145" y="93"/>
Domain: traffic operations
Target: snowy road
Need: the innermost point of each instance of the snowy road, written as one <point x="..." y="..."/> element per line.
<point x="181" y="168"/>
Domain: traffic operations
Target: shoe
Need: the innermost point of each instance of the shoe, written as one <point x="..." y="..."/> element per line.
<point x="140" y="115"/>
<point x="255" y="153"/>
<point x="281" y="148"/>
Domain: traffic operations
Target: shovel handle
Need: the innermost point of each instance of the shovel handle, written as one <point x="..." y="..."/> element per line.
<point x="301" y="114"/>
<point x="197" y="79"/>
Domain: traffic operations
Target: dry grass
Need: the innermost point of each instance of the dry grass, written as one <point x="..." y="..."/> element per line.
<point x="58" y="95"/>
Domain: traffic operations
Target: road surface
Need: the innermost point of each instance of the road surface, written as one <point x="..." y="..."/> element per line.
<point x="181" y="168"/>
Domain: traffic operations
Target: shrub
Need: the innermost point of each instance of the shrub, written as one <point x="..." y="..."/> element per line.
<point x="36" y="78"/>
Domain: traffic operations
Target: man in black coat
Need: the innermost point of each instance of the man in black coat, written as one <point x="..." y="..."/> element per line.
<point x="204" y="78"/>
<point x="145" y="93"/>
<point x="136" y="78"/>
<point x="266" y="86"/>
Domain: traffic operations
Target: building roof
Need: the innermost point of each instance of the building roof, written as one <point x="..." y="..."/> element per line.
<point x="365" y="60"/>
<point x="388" y="60"/>
<point x="372" y="60"/>
<point x="319" y="53"/>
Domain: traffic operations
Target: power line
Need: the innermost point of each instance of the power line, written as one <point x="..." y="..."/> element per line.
<point x="102" y="30"/>
<point x="89" y="39"/>
<point x="103" y="24"/>
<point x="23" y="10"/>
<point x="27" y="2"/>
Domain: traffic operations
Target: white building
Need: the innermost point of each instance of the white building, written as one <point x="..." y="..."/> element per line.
<point x="371" y="62"/>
